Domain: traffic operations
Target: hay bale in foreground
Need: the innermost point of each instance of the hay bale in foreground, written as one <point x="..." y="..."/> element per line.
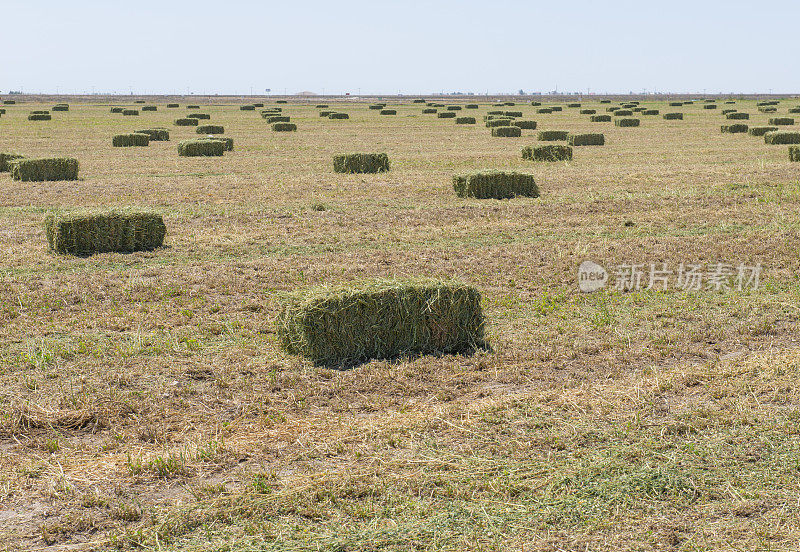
<point x="156" y="134"/>
<point x="201" y="148"/>
<point x="673" y="116"/>
<point x="495" y="185"/>
<point x="361" y="163"/>
<point x="210" y="129"/>
<point x="338" y="116"/>
<point x="88" y="232"/>
<point x="627" y="122"/>
<point x="761" y="131"/>
<point x="186" y="122"/>
<point x="6" y="158"/>
<point x="794" y="110"/>
<point x="600" y="118"/>
<point x="782" y="137"/>
<point x="507" y="132"/>
<point x="130" y="140"/>
<point x="737" y="116"/>
<point x="739" y="128"/>
<point x="39" y="117"/>
<point x="525" y="125"/>
<point x="60" y="107"/>
<point x="552" y="135"/>
<point x="589" y="139"/>
<point x="227" y="142"/>
<point x="794" y="153"/>
<point x="284" y="127"/>
<point x="44" y="169"/>
<point x="781" y="121"/>
<point x="465" y="120"/>
<point x="553" y="152"/>
<point x="380" y="319"/>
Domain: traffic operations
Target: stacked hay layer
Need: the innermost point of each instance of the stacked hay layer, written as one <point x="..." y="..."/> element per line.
<point x="39" y="117"/>
<point x="525" y="125"/>
<point x="340" y="116"/>
<point x="227" y="142"/>
<point x="380" y="319"/>
<point x="547" y="153"/>
<point x="737" y="116"/>
<point x="6" y="158"/>
<point x="203" y="116"/>
<point x="44" y="169"/>
<point x="85" y="233"/>
<point x="156" y="134"/>
<point x="210" y="129"/>
<point x="600" y="118"/>
<point x="495" y="185"/>
<point x="361" y="163"/>
<point x="734" y="129"/>
<point x="761" y="131"/>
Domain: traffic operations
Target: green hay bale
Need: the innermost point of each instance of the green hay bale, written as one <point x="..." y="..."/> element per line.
<point x="623" y="113"/>
<point x="129" y="140"/>
<point x="781" y="121"/>
<point x="557" y="108"/>
<point x="553" y="152"/>
<point x="734" y="129"/>
<point x="284" y="127"/>
<point x="500" y="122"/>
<point x="612" y="109"/>
<point x="9" y="102"/>
<point x="495" y="185"/>
<point x="388" y="112"/>
<point x="60" y="107"/>
<point x="465" y="120"/>
<point x="525" y="125"/>
<point x="186" y="122"/>
<point x="278" y="119"/>
<point x="172" y="105"/>
<point x="673" y="116"/>
<point x="150" y="108"/>
<point x="6" y="158"/>
<point x="761" y="131"/>
<point x="768" y="109"/>
<point x="552" y="135"/>
<point x="88" y="232"/>
<point x="210" y="129"/>
<point x="573" y="105"/>
<point x="447" y="115"/>
<point x="130" y="112"/>
<point x="536" y="104"/>
<point x="726" y="111"/>
<point x="794" y="153"/>
<point x="471" y="106"/>
<point x="42" y="170"/>
<point x="767" y="102"/>
<point x="247" y="108"/>
<point x="377" y="107"/>
<point x="512" y="113"/>
<point x="227" y="142"/>
<point x="782" y="137"/>
<point x="429" y="110"/>
<point x="737" y="116"/>
<point x="281" y="101"/>
<point x="419" y="101"/>
<point x="361" y="163"/>
<point x="116" y="110"/>
<point x="507" y="132"/>
<point x="338" y="116"/>
<point x="39" y="117"/>
<point x="201" y="148"/>
<point x="627" y="122"/>
<point x="258" y="104"/>
<point x="600" y="118"/>
<point x="139" y="101"/>
<point x="453" y="108"/>
<point x="325" y="113"/>
<point x="495" y="113"/>
<point x="544" y="110"/>
<point x="322" y="106"/>
<point x="591" y="139"/>
<point x="203" y="116"/>
<point x="192" y="107"/>
<point x="794" y="110"/>
<point x="605" y="101"/>
<point x="709" y="106"/>
<point x="156" y="134"/>
<point x="638" y="109"/>
<point x="588" y="111"/>
<point x="380" y="319"/>
<point x="40" y="112"/>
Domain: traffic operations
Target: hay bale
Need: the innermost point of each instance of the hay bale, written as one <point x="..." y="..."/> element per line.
<point x="767" y="102"/>
<point x="465" y="120"/>
<point x="138" y="101"/>
<point x="650" y="112"/>
<point x="44" y="169"/>
<point x="156" y="134"/>
<point x="726" y="111"/>
<point x="525" y="125"/>
<point x="172" y="105"/>
<point x="471" y="106"/>
<point x="377" y="107"/>
<point x="605" y="101"/>
<point x="247" y="108"/>
<point x="227" y="142"/>
<point x="446" y="115"/>
<point x="150" y="108"/>
<point x="589" y="139"/>
<point x="794" y="153"/>
<point x="588" y="111"/>
<point x="419" y="101"/>
<point x="781" y="121"/>
<point x="794" y="110"/>
<point x="453" y="108"/>
<point x="573" y="105"/>
<point x="553" y="152"/>
<point x="612" y="109"/>
<point x="258" y="104"/>
<point x="281" y="101"/>
<point x="116" y="110"/>
<point x="557" y="108"/>
<point x="210" y="129"/>
<point x="709" y="106"/>
<point x="325" y="113"/>
<point x="544" y="110"/>
<point x="60" y="107"/>
<point x="186" y="122"/>
<point x="40" y="112"/>
<point x="782" y="137"/>
<point x="322" y="106"/>
<point x="380" y="319"/>
<point x="6" y="158"/>
<point x="130" y="112"/>
<point x="202" y="116"/>
<point x="536" y="104"/>
<point x="388" y="112"/>
<point x="761" y="131"/>
<point x="673" y="116"/>
<point x="338" y="116"/>
<point x="429" y="110"/>
<point x="9" y="102"/>
<point x="361" y="163"/>
<point x="129" y="140"/>
<point x="39" y="117"/>
<point x="627" y="122"/>
<point x="507" y="132"/>
<point x="192" y="107"/>
<point x="623" y="113"/>
<point x="495" y="185"/>
<point x="88" y="232"/>
<point x="734" y="129"/>
<point x="600" y="118"/>
<point x="509" y="103"/>
<point x="552" y="135"/>
<point x="737" y="116"/>
<point x="495" y="112"/>
<point x="201" y="148"/>
<point x="638" y="109"/>
<point x="512" y="113"/>
<point x="284" y="127"/>
<point x="768" y="109"/>
<point x="500" y="122"/>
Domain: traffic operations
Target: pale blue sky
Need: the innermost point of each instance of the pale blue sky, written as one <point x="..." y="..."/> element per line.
<point x="389" y="46"/>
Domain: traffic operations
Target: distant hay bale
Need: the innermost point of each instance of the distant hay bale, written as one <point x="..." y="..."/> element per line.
<point x="284" y="127"/>
<point x="258" y="104"/>
<point x="453" y="108"/>
<point x="380" y="319"/>
<point x="794" y="153"/>
<point x="782" y="137"/>
<point x="768" y="109"/>
<point x="525" y="125"/>
<point x="736" y="115"/>
<point x="726" y="111"/>
<point x="156" y="134"/>
<point x="419" y="101"/>
<point x="129" y="140"/>
<point x="589" y="139"/>
<point x="361" y="163"/>
<point x="40" y="112"/>
<point x="588" y="111"/>
<point x="447" y="115"/>
<point x="573" y="105"/>
<point x="638" y="109"/>
<point x="116" y="110"/>
<point x="388" y="112"/>
<point x="429" y="110"/>
<point x="139" y="101"/>
<point x="377" y="107"/>
<point x="767" y="102"/>
<point x="471" y="106"/>
<point x="761" y="131"/>
<point x="88" y="232"/>
<point x="544" y="110"/>
<point x="623" y="113"/>
<point x="6" y="158"/>
<point x="130" y="112"/>
<point x="192" y="107"/>
<point x="781" y="121"/>
<point x="627" y="122"/>
<point x="507" y="132"/>
<point x="509" y="103"/>
<point x="325" y="113"/>
<point x="552" y="135"/>
<point x="465" y="120"/>
<point x="186" y="122"/>
<point x="60" y="107"/>
<point x="201" y="148"/>
<point x="247" y="108"/>
<point x="203" y="116"/>
<point x="673" y="116"/>
<point x="338" y="116"/>
<point x="605" y="101"/>
<point x="600" y="118"/>
<point x="150" y="108"/>
<point x="730" y="102"/>
<point x="44" y="169"/>
<point x="496" y="112"/>
<point x="9" y="102"/>
<point x="227" y="142"/>
<point x="612" y="109"/>
<point x="172" y="105"/>
<point x="739" y="128"/>
<point x="553" y="152"/>
<point x="495" y="185"/>
<point x="322" y="106"/>
<point x="512" y="113"/>
<point x="557" y="108"/>
<point x="39" y="117"/>
<point x="794" y="110"/>
<point x="210" y="129"/>
<point x="536" y="104"/>
<point x="281" y="101"/>
<point x="503" y="121"/>
<point x="650" y="112"/>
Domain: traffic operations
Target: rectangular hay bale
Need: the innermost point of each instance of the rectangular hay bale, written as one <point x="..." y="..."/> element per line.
<point x="552" y="152"/>
<point x="495" y="185"/>
<point x="44" y="169"/>
<point x="361" y="163"/>
<point x="88" y="232"/>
